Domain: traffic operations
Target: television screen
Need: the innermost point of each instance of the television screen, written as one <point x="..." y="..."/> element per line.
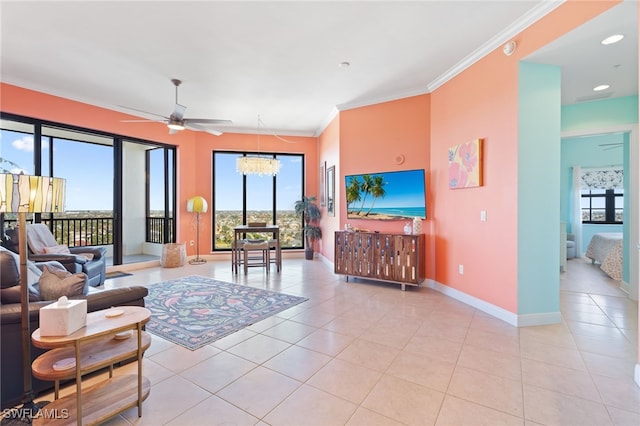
<point x="387" y="195"/>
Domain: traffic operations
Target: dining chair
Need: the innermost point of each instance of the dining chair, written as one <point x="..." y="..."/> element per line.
<point x="263" y="260"/>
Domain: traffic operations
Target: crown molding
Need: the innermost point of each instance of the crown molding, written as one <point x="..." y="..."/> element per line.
<point x="535" y="14"/>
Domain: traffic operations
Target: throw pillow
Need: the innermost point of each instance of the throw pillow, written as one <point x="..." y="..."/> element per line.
<point x="55" y="283"/>
<point x="57" y="249"/>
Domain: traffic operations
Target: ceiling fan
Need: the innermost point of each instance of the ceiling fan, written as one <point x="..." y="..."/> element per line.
<point x="611" y="145"/>
<point x="176" y="121"/>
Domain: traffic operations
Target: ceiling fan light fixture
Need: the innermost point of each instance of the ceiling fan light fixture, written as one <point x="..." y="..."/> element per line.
<point x="612" y="39"/>
<point x="175" y="125"/>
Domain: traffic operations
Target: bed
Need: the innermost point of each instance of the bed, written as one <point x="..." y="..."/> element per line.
<point x="606" y="249"/>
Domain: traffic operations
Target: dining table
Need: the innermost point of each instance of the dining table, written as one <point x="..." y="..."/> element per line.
<point x="239" y="236"/>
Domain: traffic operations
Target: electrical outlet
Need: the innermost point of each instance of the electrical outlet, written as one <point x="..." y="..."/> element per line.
<point x="192" y="243"/>
<point x="461" y="269"/>
<point x="483" y="216"/>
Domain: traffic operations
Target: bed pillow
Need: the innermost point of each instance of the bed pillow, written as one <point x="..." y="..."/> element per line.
<point x="55" y="283"/>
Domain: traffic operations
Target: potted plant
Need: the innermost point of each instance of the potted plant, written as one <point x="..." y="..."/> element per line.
<point x="310" y="212"/>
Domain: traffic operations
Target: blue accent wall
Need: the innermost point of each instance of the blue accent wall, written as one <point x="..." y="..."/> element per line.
<point x="587" y="152"/>
<point x="539" y="100"/>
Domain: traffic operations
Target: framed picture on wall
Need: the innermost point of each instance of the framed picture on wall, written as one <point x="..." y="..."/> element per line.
<point x="323" y="171"/>
<point x="331" y="190"/>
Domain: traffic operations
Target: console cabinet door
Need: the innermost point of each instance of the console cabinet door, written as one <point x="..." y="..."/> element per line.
<point x="407" y="250"/>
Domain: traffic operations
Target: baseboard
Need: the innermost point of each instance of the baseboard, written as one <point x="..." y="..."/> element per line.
<point x="496" y="311"/>
<point x="624" y="286"/>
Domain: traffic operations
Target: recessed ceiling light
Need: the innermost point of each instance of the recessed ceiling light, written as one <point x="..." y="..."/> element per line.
<point x="601" y="87"/>
<point x="612" y="39"/>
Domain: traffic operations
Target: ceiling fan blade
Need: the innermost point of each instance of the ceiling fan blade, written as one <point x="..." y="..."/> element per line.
<point x="145" y="112"/>
<point x="143" y="121"/>
<point x="197" y="127"/>
<point x="178" y="112"/>
<point x="206" y="121"/>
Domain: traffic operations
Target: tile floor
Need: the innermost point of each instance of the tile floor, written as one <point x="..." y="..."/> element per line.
<point x="366" y="353"/>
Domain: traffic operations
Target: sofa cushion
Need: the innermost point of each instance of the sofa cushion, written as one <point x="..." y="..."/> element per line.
<point x="57" y="249"/>
<point x="55" y="283"/>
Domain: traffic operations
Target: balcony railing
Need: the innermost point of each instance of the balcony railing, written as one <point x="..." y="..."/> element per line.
<point x="98" y="231"/>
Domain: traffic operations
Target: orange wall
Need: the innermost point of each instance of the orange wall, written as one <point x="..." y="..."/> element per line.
<point x="193" y="153"/>
<point x="482" y="102"/>
<point x="389" y="136"/>
<point x="329" y="146"/>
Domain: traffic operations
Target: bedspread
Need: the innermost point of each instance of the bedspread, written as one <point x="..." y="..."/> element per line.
<point x="606" y="249"/>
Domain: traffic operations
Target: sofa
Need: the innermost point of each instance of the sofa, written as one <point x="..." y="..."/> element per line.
<point x="74" y="259"/>
<point x="11" y="325"/>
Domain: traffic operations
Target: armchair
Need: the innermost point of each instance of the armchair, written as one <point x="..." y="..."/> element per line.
<point x="43" y="247"/>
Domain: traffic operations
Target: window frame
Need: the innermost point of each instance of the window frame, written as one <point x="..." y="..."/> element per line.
<point x="610" y="197"/>
<point x="274" y="197"/>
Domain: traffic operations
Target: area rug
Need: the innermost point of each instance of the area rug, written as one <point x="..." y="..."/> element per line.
<point x="116" y="274"/>
<point x="194" y="311"/>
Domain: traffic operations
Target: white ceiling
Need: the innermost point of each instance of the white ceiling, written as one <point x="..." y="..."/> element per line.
<point x="279" y="60"/>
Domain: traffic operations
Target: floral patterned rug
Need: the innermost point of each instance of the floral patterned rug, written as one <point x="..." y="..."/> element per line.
<point x="194" y="311"/>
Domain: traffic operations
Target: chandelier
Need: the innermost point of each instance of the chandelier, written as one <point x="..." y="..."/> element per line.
<point x="257" y="165"/>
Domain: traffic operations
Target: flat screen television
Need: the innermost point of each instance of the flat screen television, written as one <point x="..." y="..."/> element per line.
<point x="386" y="195"/>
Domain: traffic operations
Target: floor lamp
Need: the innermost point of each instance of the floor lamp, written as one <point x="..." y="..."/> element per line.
<point x="197" y="205"/>
<point x="22" y="194"/>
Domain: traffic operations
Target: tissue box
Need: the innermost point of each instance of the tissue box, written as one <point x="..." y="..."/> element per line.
<point x="58" y="319"/>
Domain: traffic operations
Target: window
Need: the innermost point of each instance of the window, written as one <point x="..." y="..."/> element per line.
<point x="603" y="206"/>
<point x="602" y="196"/>
<point x="239" y="199"/>
<point x="106" y="179"/>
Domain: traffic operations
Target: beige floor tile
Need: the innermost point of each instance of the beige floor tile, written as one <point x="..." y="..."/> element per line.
<point x="265" y="324"/>
<point x="497" y="342"/>
<point x="326" y="342"/>
<point x="368" y="354"/>
<point x="621" y="393"/>
<point x="233" y="339"/>
<point x="434" y="347"/>
<point x="623" y="417"/>
<point x="349" y="324"/>
<point x="447" y="330"/>
<point x="485" y="389"/>
<point x="422" y="342"/>
<point x="315" y="317"/>
<point x="604" y="365"/>
<point x="365" y="417"/>
<point x="430" y="372"/>
<point x="218" y="371"/>
<point x="178" y="358"/>
<point x="406" y="402"/>
<point x="259" y="348"/>
<point x="553" y="408"/>
<point x="298" y="362"/>
<point x="259" y="391"/>
<point x="458" y="412"/>
<point x="345" y="380"/>
<point x="311" y="406"/>
<point x="166" y="401"/>
<point x="561" y="356"/>
<point x="214" y="411"/>
<point x="559" y="379"/>
<point x="490" y="361"/>
<point x="289" y="331"/>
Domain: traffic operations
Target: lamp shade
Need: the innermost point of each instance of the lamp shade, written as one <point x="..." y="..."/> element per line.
<point x="197" y="204"/>
<point x="31" y="194"/>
